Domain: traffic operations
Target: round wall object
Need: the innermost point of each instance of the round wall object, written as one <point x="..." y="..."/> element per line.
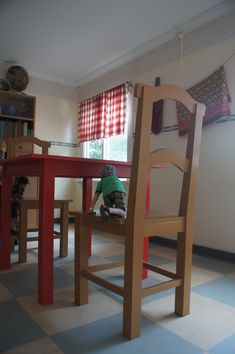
<point x="18" y="77"/>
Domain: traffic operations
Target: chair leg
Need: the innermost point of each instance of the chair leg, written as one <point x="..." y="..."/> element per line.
<point x="132" y="288"/>
<point x="22" y="256"/>
<point x="81" y="263"/>
<point x="183" y="270"/>
<point x="64" y="216"/>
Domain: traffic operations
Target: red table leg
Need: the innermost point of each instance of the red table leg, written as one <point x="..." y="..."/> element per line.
<point x="86" y="201"/>
<point x="45" y="254"/>
<point x="5" y="222"/>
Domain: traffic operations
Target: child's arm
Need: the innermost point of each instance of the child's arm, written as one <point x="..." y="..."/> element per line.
<point x="94" y="200"/>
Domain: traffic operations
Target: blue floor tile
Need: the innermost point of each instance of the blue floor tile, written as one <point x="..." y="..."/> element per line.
<point x="21" y="283"/>
<point x="225" y="347"/>
<point x="105" y="337"/>
<point x="98" y="240"/>
<point x="70" y="258"/>
<point x="16" y="326"/>
<point x="62" y="279"/>
<point x="157" y="260"/>
<point x="25" y="282"/>
<point x="117" y="258"/>
<point x="221" y="289"/>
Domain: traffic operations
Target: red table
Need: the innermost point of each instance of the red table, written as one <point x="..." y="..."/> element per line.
<point x="46" y="167"/>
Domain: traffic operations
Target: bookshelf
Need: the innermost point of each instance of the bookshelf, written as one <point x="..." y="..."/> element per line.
<point x="17" y="118"/>
<point x="17" y="115"/>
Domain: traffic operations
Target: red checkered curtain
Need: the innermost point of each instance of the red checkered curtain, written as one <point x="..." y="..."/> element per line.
<point x="103" y="115"/>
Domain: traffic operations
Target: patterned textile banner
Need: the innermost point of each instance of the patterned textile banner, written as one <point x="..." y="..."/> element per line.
<point x="213" y="92"/>
<point x="157" y="115"/>
<point x="103" y="115"/>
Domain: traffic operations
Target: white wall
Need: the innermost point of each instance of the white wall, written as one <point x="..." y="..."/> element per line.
<point x="204" y="51"/>
<point x="56" y="121"/>
<point x="215" y="222"/>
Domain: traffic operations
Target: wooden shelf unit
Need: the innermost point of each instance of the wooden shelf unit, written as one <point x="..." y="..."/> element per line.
<point x="17" y="118"/>
<point x="17" y="115"/>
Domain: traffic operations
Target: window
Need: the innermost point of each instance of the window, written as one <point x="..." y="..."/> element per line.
<point x="116" y="147"/>
<point x="113" y="148"/>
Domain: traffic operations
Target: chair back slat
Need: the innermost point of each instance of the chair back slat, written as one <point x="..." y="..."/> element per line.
<point x="188" y="193"/>
<point x="12" y="144"/>
<point x="168" y="156"/>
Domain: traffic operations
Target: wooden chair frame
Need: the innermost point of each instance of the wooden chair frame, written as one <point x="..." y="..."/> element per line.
<point x="62" y="234"/>
<point x="139" y="224"/>
<point x="28" y="204"/>
<point x="13" y="142"/>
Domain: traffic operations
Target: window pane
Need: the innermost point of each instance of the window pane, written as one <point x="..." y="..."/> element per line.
<point x="95" y="149"/>
<point x="117" y="147"/>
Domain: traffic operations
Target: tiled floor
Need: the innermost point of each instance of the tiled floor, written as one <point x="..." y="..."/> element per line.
<point x="26" y="327"/>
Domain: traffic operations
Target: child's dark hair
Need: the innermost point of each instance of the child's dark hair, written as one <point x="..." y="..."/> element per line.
<point x="21" y="180"/>
<point x="109" y="170"/>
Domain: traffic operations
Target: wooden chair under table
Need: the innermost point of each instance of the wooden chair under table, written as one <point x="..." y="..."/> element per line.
<point x="21" y="146"/>
<point x="139" y="224"/>
<point x="62" y="234"/>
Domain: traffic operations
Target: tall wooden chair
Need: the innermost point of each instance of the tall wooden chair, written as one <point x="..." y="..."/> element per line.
<point x="139" y="224"/>
<point x="21" y="146"/>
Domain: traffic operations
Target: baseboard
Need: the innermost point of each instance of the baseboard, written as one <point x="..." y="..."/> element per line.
<point x="200" y="250"/>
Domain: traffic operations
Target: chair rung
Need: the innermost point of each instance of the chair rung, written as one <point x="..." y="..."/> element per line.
<point x="161" y="287"/>
<point x="104" y="266"/>
<point x="35" y="238"/>
<point x="105" y="283"/>
<point x="159" y="270"/>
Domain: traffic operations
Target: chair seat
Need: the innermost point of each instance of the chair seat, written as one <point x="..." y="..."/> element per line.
<point x="155" y="224"/>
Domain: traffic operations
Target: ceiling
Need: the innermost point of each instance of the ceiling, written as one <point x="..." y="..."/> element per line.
<point x="74" y="41"/>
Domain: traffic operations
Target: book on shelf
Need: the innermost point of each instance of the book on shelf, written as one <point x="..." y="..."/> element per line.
<point x="25" y="128"/>
<point x="1" y="129"/>
<point x="12" y="129"/>
<point x="30" y="132"/>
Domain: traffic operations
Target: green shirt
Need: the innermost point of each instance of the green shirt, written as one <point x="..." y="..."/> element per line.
<point x="109" y="184"/>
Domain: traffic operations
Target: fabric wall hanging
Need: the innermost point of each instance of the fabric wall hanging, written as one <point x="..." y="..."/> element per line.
<point x="213" y="92"/>
<point x="157" y="118"/>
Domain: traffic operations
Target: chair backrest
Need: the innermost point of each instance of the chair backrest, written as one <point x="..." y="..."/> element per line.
<point x="15" y="146"/>
<point x="143" y="160"/>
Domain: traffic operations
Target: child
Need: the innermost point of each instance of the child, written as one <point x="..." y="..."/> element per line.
<point x="113" y="194"/>
<point x="17" y="192"/>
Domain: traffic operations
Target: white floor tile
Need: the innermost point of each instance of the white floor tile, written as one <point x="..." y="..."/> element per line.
<point x="64" y="315"/>
<point x="208" y="323"/>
